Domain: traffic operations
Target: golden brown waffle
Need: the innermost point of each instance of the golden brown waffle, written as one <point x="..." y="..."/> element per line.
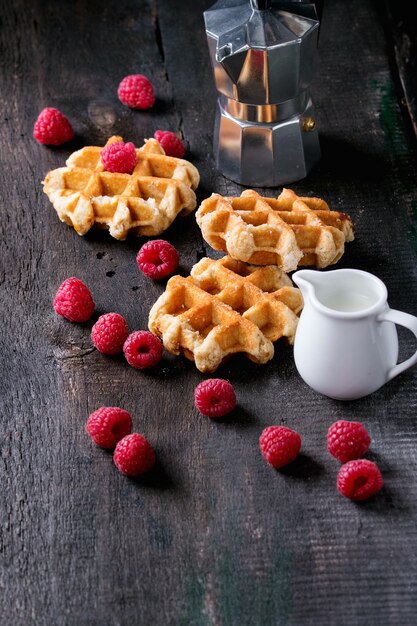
<point x="226" y="307"/>
<point x="287" y="231"/>
<point x="145" y="202"/>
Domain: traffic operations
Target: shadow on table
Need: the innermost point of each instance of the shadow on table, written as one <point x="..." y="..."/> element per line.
<point x="344" y="161"/>
<point x="304" y="467"/>
<point x="238" y="418"/>
<point x="157" y="478"/>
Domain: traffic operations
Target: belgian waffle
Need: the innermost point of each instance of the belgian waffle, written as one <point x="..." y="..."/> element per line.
<point x="226" y="307"/>
<point x="287" y="231"/>
<point x="145" y="202"/>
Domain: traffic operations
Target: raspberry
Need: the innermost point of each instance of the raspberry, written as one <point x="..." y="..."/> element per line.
<point x="215" y="397"/>
<point x="108" y="425"/>
<point x="172" y="144"/>
<point x="157" y="259"/>
<point x="142" y="349"/>
<point x="119" y="157"/>
<point x="136" y="92"/>
<point x="73" y="301"/>
<point x="134" y="455"/>
<point x="347" y="440"/>
<point x="279" y="445"/>
<point x="52" y="127"/>
<point x="359" y="480"/>
<point x="109" y="333"/>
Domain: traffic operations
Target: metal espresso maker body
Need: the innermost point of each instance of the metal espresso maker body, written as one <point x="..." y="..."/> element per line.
<point x="264" y="56"/>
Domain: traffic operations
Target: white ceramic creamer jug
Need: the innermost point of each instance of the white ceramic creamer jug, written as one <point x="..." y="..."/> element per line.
<point x="346" y="344"/>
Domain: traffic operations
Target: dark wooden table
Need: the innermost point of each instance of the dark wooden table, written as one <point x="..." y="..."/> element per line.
<point x="213" y="536"/>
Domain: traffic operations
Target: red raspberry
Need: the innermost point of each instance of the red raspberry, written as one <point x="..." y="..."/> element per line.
<point x="157" y="259"/>
<point x="119" y="157"/>
<point x="347" y="440"/>
<point x="359" y="480"/>
<point x="136" y="92"/>
<point x="134" y="455"/>
<point x="73" y="301"/>
<point x="108" y="425"/>
<point x="172" y="144"/>
<point x="109" y="333"/>
<point x="52" y="127"/>
<point x="142" y="349"/>
<point x="279" y="445"/>
<point x="215" y="397"/>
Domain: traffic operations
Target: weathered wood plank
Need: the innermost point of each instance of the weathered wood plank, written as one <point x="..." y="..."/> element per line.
<point x="401" y="31"/>
<point x="212" y="536"/>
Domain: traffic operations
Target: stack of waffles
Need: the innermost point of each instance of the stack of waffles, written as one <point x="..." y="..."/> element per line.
<point x="226" y="307"/>
<point x="245" y="301"/>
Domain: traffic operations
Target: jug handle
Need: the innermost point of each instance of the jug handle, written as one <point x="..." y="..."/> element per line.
<point x="408" y="321"/>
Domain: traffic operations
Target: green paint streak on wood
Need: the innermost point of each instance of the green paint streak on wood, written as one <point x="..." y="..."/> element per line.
<point x="390" y="118"/>
<point x="392" y="125"/>
<point x="195" y="612"/>
<point x="260" y="597"/>
<point x="242" y="587"/>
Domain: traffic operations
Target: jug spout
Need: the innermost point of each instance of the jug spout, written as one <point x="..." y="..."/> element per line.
<point x="345" y="292"/>
<point x="308" y="281"/>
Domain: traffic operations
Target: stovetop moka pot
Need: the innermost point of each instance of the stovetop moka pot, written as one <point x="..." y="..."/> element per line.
<point x="264" y="56"/>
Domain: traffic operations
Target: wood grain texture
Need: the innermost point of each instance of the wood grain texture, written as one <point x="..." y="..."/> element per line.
<point x="212" y="536"/>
